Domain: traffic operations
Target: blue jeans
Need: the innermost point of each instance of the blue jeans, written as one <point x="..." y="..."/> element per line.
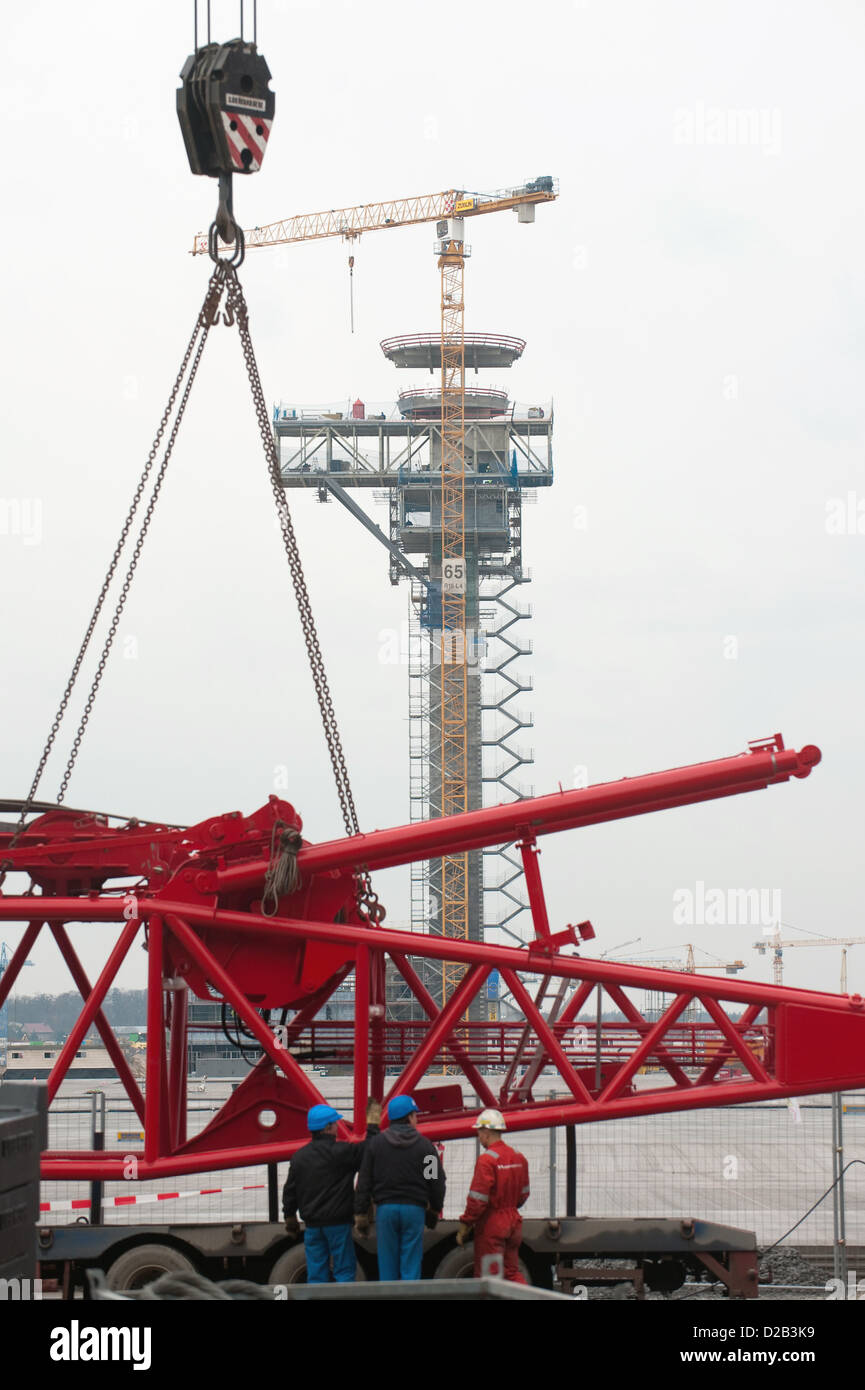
<point x="326" y="1243"/>
<point x="399" y="1232"/>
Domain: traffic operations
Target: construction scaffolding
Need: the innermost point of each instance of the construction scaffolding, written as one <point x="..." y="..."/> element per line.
<point x="428" y="457"/>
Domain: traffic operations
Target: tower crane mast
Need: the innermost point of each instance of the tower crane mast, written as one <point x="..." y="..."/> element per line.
<point x="448" y="209"/>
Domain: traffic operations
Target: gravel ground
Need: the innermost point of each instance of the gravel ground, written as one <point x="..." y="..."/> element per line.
<point x="777" y="1267"/>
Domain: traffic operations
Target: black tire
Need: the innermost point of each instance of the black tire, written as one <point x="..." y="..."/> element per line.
<point x="144" y="1263"/>
<point x="290" y="1268"/>
<point x="459" y="1263"/>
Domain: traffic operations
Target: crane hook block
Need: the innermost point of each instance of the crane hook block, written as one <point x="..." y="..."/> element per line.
<point x="225" y="108"/>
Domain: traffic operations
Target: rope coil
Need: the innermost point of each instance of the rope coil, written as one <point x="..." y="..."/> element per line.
<point x="283" y="875"/>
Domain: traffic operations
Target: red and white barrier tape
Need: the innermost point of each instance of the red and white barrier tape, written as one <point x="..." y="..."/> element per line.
<point x="83" y="1203"/>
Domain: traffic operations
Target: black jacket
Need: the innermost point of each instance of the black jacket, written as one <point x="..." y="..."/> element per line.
<point x="401" y="1165"/>
<point x="321" y="1180"/>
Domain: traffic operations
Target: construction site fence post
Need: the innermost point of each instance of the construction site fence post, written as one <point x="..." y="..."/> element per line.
<point x="273" y="1192"/>
<point x="97" y="1136"/>
<point x="570" y="1170"/>
<point x="839" y="1246"/>
<point x="553" y="1155"/>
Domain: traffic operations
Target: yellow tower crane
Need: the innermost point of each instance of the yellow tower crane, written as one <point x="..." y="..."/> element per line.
<point x="448" y="209"/>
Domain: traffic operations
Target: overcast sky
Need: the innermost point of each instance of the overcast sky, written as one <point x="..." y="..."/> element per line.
<point x="693" y="305"/>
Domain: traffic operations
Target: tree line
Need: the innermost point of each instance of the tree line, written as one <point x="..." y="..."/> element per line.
<point x="123" y="1007"/>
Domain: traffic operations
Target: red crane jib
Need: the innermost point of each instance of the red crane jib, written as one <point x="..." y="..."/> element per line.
<point x="198" y="900"/>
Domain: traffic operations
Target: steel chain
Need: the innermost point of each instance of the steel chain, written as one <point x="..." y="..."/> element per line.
<point x="236" y="311"/>
<point x="208" y="316"/>
<point x="205" y="319"/>
<point x="224" y="277"/>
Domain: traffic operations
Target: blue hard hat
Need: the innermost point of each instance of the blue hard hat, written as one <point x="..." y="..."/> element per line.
<point x="400" y="1106"/>
<point x="320" y="1116"/>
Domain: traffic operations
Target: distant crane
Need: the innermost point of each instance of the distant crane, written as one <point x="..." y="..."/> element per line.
<point x="690" y="967"/>
<point x="4" y="1012"/>
<point x="778" y="947"/>
<point x="654" y="1003"/>
<point x="351" y="223"/>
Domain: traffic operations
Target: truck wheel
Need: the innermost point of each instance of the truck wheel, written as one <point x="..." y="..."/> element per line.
<point x="144" y="1263"/>
<point x="290" y="1268"/>
<point x="459" y="1263"/>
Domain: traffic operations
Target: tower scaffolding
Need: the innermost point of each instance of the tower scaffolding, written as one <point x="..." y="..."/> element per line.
<point x="395" y="449"/>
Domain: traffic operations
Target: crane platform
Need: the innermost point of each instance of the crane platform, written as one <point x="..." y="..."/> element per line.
<point x="480" y="402"/>
<point x="377" y="452"/>
<point x="482" y="350"/>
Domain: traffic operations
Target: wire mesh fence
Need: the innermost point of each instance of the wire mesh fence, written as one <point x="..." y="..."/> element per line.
<point x="236" y="1194"/>
<point x="758" y="1167"/>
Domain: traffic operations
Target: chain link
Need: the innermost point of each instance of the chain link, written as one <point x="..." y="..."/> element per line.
<point x="223" y="279"/>
<point x="236" y="310"/>
<point x="206" y="317"/>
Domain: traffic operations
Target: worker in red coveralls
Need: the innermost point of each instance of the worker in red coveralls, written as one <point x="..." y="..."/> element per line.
<point x="499" y="1188"/>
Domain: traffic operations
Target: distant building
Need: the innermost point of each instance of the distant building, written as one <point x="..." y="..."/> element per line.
<point x="35" y="1061"/>
<point x="38" y="1032"/>
<point x="214" y="1052"/>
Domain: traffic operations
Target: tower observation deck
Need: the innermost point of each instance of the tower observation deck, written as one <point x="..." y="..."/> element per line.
<point x="395" y="448"/>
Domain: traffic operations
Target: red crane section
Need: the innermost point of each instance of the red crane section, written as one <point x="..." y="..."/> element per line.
<point x="242" y="909"/>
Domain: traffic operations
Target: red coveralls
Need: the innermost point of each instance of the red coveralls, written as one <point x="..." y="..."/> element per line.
<point x="500" y="1185"/>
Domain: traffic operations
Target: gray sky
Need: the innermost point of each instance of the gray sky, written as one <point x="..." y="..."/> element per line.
<point x="692" y="303"/>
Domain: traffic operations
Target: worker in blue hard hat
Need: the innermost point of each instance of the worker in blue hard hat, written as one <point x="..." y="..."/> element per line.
<point x="320" y="1186"/>
<point x="402" y="1173"/>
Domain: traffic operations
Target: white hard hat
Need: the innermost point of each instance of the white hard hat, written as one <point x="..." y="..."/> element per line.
<point x="490" y="1119"/>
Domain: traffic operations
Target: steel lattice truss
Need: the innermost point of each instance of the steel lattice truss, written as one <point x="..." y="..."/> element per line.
<point x="197" y="904"/>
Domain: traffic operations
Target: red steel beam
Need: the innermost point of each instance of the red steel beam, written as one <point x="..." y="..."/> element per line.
<point x="453" y="1009"/>
<point x="573" y="1006"/>
<point x="545" y="1034"/>
<point x="535" y="888"/>
<point x="734" y="1037"/>
<point x="91" y="1008"/>
<point x="242" y="1007"/>
<point x="541" y="815"/>
<point x="378" y="1006"/>
<point x="154" y="1067"/>
<point x="103" y="1027"/>
<point x="633" y="1015"/>
<point x="19" y="955"/>
<point x="606" y="972"/>
<point x="646" y="1048"/>
<point x="361" y="1037"/>
<point x="452" y="1043"/>
<point x="178" y="1062"/>
<point x="749" y="1017"/>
